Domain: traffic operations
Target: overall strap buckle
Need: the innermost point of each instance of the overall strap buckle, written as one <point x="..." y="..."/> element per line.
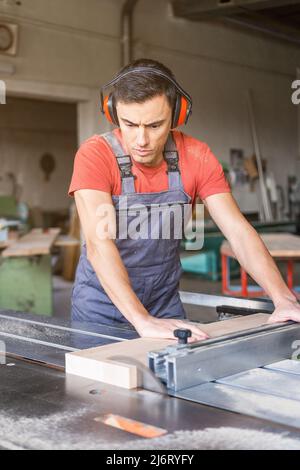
<point x="172" y="158"/>
<point x="172" y="161"/>
<point x="125" y="165"/>
<point x="171" y="155"/>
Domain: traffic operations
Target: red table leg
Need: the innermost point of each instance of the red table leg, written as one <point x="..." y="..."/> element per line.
<point x="290" y="273"/>
<point x="244" y="283"/>
<point x="224" y="274"/>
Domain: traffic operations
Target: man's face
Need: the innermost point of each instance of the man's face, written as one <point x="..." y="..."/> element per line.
<point x="145" y="128"/>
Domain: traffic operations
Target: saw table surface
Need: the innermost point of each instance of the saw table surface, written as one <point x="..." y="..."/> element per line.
<point x="42" y="407"/>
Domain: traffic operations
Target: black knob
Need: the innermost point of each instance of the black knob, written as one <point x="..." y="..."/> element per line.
<point x="182" y="334"/>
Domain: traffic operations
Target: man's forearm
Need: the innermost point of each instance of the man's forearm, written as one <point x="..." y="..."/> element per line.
<point x="257" y="261"/>
<point x="111" y="272"/>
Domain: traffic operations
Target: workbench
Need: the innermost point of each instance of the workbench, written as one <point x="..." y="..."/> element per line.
<point x="282" y="247"/>
<point x="26" y="270"/>
<point x="207" y="261"/>
<point x="41" y="407"/>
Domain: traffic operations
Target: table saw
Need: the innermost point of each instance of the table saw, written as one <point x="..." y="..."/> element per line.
<point x="241" y="381"/>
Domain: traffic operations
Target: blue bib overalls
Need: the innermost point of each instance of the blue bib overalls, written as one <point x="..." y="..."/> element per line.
<point x="151" y="257"/>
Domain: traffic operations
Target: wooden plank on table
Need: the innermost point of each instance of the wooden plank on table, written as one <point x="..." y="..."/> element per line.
<point x="12" y="238"/>
<point x="280" y="245"/>
<point x="36" y="242"/>
<point x="6" y="244"/>
<point x="66" y="240"/>
<point x="284" y="245"/>
<point x="96" y="363"/>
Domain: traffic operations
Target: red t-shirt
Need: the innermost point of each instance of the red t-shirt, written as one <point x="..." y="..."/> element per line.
<point x="96" y="167"/>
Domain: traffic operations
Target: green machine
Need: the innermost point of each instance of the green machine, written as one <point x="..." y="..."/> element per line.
<point x="26" y="284"/>
<point x="25" y="281"/>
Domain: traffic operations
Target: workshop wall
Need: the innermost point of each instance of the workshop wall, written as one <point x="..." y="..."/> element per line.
<point x="28" y="130"/>
<point x="78" y="43"/>
<point x="217" y="65"/>
<point x="65" y="42"/>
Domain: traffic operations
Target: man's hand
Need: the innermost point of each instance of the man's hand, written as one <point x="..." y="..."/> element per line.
<point x="285" y="310"/>
<point x="164" y="328"/>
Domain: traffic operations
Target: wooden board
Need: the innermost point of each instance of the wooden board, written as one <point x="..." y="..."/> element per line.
<point x="280" y="245"/>
<point x="12" y="238"/>
<point x="96" y="363"/>
<point x="225" y="327"/>
<point x="36" y="242"/>
<point x="71" y="254"/>
<point x="66" y="240"/>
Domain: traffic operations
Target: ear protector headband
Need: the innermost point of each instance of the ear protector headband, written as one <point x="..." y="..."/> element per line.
<point x="183" y="103"/>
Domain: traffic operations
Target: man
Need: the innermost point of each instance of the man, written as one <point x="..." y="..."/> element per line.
<point x="145" y="163"/>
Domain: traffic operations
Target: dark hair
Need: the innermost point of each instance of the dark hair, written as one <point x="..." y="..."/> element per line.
<point x="138" y="87"/>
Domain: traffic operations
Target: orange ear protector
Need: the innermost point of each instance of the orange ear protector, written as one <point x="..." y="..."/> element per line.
<point x="182" y="108"/>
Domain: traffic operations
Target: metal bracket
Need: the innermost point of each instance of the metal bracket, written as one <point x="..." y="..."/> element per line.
<point x="209" y="360"/>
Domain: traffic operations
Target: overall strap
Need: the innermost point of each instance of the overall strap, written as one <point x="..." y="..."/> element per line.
<point x="124" y="162"/>
<point x="171" y="156"/>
